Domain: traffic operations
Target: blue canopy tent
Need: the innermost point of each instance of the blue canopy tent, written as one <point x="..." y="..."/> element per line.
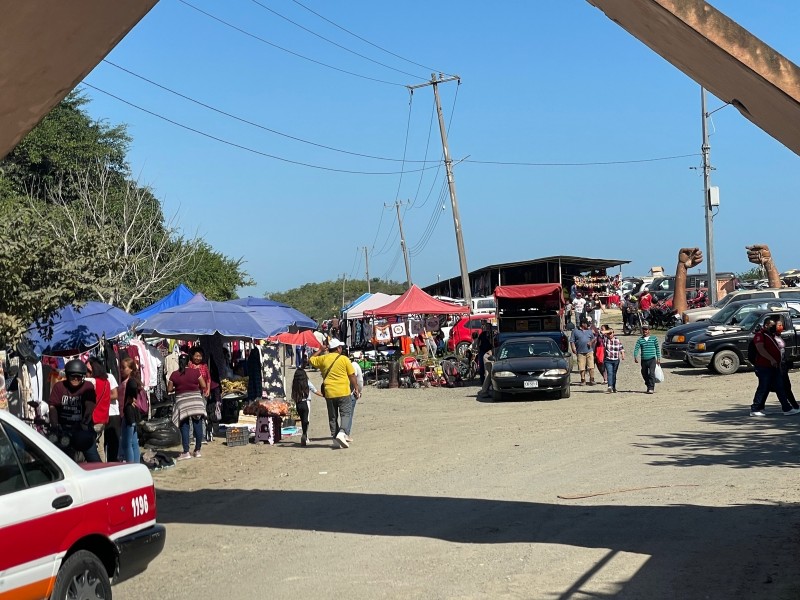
<point x="274" y="316"/>
<point x="180" y="295"/>
<point x="80" y="328"/>
<point x="195" y="319"/>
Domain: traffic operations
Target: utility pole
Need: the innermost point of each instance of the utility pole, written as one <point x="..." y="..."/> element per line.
<point x="344" y="278"/>
<point x="451" y="182"/>
<point x="709" y="209"/>
<point x="366" y="263"/>
<point x="403" y="244"/>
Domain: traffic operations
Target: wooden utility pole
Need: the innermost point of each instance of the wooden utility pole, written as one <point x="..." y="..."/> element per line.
<point x="451" y="182"/>
<point x="366" y="266"/>
<point x="397" y="205"/>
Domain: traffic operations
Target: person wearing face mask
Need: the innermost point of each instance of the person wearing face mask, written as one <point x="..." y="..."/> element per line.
<point x="769" y="355"/>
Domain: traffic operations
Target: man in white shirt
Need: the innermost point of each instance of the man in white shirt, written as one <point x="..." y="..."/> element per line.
<point x="359" y="387"/>
<point x="578" y="306"/>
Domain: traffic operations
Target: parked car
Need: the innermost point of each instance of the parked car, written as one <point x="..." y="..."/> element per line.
<point x="530" y="365"/>
<point x="71" y="530"/>
<point x="676" y="340"/>
<point x="700" y="314"/>
<point x="460" y="337"/>
<point x="723" y="348"/>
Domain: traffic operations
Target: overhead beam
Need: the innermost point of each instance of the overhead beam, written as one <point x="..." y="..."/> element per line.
<point x="720" y="55"/>
<point x="47" y="47"/>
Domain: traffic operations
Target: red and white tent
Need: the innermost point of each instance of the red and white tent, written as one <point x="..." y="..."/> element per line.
<point x="416" y="302"/>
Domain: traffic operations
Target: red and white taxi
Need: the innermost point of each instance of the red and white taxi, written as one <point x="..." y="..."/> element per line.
<point x="69" y="530"/>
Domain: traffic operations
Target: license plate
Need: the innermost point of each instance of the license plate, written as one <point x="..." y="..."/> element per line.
<point x="530" y="384"/>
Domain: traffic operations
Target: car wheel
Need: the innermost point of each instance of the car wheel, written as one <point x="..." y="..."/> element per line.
<point x="82" y="575"/>
<point x="461" y="349"/>
<point x="686" y="362"/>
<point x="497" y="396"/>
<point x="565" y="392"/>
<point x="726" y="362"/>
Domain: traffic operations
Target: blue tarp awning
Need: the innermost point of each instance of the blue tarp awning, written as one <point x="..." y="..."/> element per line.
<point x="180" y="295"/>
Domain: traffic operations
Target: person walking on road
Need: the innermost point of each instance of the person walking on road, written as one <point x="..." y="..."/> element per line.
<point x="302" y="389"/>
<point x="338" y="378"/>
<point x="615" y="352"/>
<point x="582" y="342"/>
<point x="770" y="349"/>
<point x="359" y="387"/>
<point x="578" y="306"/>
<point x="647" y="346"/>
<point x="190" y="405"/>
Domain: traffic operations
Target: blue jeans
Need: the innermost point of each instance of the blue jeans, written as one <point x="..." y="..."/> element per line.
<point x="340" y="414"/>
<point x="612" y="366"/>
<point x="129" y="444"/>
<point x="769" y="378"/>
<point x="197" y="424"/>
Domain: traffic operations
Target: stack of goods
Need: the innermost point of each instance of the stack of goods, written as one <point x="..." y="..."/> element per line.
<point x="267" y="408"/>
<point x="237" y="387"/>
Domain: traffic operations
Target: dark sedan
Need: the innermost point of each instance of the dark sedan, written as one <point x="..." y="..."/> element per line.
<point x="676" y="341"/>
<point x="530" y="365"/>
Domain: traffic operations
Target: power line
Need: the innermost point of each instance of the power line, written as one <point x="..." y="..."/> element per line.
<point x="578" y="164"/>
<point x="240" y="146"/>
<point x="264" y="41"/>
<point x="355" y="35"/>
<point x="405" y="147"/>
<point x="285" y="18"/>
<point x="254" y="124"/>
<point x="427" y="147"/>
<point x="355" y="258"/>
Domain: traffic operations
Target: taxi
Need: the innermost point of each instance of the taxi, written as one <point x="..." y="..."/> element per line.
<point x="70" y="530"/>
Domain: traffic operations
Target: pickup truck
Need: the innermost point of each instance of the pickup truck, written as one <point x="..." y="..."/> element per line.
<point x="676" y="340"/>
<point x="534" y="309"/>
<point x="69" y="529"/>
<point x="723" y="348"/>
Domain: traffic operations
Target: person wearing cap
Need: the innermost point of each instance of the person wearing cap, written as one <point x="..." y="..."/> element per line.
<point x="582" y="342"/>
<point x="72" y="402"/>
<point x="647" y="346"/>
<point x="338" y="378"/>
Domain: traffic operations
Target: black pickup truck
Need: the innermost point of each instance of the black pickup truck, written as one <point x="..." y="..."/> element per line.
<point x="723" y="348"/>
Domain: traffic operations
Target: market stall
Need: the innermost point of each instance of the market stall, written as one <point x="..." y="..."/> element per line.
<point x="600" y="283"/>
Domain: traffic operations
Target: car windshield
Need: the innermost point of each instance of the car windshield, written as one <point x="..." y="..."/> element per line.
<point x="529" y="349"/>
<point x="723" y="302"/>
<point x="734" y="311"/>
<point x="749" y="320"/>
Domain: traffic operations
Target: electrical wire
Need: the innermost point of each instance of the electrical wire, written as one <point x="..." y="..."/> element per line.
<point x="285" y="18"/>
<point x="242" y="147"/>
<point x="355" y="258"/>
<point x="405" y="146"/>
<point x="264" y="41"/>
<point x="378" y="230"/>
<point x="433" y="219"/>
<point x="578" y="164"/>
<point x="393" y="264"/>
<point x="355" y="35"/>
<point x="253" y="124"/>
<point x="427" y="147"/>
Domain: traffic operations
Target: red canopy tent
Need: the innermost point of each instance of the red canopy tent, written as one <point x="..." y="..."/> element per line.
<point x="416" y="302"/>
<point x="301" y="338"/>
<point x="548" y="292"/>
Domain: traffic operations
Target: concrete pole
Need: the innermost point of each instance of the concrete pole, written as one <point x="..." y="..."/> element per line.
<point x="709" y="210"/>
<point x="366" y="263"/>
<point x="403" y="245"/>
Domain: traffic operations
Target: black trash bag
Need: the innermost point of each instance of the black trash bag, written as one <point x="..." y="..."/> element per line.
<point x="160" y="433"/>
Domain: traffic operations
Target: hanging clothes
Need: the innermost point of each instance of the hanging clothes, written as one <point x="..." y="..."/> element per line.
<point x="271" y="372"/>
<point x="110" y="360"/>
<point x="254" y="386"/>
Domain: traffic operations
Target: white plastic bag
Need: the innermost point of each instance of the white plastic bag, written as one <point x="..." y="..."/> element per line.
<point x="659" y="374"/>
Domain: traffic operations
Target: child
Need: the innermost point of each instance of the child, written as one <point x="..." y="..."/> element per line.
<point x="302" y="389"/>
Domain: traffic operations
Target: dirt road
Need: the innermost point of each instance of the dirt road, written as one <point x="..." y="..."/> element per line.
<point x="676" y="495"/>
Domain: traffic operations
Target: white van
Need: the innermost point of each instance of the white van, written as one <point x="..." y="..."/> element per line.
<point x="483" y="306"/>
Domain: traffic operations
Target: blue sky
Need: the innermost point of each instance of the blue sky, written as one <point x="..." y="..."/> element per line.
<point x="541" y="82"/>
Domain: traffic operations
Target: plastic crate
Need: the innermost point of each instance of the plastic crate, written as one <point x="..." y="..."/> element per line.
<point x="237" y="436"/>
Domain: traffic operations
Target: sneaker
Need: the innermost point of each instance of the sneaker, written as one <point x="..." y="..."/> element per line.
<point x="615" y="390"/>
<point x="196" y="454"/>
<point x="757" y="413"/>
<point x="303" y="440"/>
<point x="184" y="456"/>
<point x="591" y="382"/>
<point x="794" y="411"/>
<point x="349" y="439"/>
<point x="651" y="391"/>
<point x="341" y="437"/>
<point x="608" y="391"/>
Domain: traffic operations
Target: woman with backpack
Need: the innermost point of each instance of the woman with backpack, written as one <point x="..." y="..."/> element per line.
<point x="190" y="405"/>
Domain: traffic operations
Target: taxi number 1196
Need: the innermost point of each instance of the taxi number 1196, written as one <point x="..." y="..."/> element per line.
<point x="140" y="505"/>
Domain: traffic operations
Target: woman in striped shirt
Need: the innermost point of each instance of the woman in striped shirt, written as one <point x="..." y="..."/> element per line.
<point x="614" y="352"/>
<point x="651" y="356"/>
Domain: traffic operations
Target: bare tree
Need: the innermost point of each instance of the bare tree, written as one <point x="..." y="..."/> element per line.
<point x="139" y="252"/>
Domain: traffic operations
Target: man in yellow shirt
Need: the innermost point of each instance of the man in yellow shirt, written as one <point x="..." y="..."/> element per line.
<point x="338" y="377"/>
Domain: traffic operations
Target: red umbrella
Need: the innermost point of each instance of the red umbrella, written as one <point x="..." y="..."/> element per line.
<point x="301" y="338"/>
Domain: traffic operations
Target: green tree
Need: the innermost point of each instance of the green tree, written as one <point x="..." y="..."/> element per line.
<point x="212" y="273"/>
<point x="322" y="301"/>
<point x="67" y="142"/>
<point x="752" y="274"/>
<point x="38" y="277"/>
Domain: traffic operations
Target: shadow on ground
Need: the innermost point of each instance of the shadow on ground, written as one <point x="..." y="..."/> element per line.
<point x="694" y="551"/>
<point x="740" y="442"/>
